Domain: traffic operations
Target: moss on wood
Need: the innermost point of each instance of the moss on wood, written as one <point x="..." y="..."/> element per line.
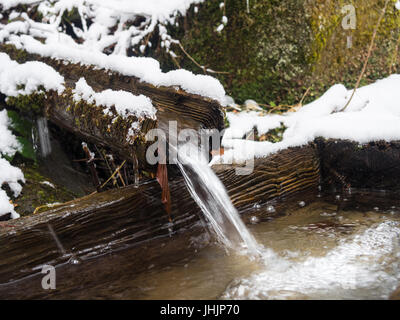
<point x="39" y="191"/>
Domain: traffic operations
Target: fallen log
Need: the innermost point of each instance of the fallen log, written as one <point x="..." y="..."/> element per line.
<point x="132" y="216"/>
<point x="277" y="176"/>
<point x="89" y="121"/>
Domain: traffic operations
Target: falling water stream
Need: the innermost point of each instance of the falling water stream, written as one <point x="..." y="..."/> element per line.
<point x="211" y="196"/>
<point x="348" y="264"/>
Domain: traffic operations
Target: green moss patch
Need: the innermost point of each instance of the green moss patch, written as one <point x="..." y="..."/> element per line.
<point x="279" y="49"/>
<point x="38" y="192"/>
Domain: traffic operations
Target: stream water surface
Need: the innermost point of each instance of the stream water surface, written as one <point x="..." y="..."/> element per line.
<point x="329" y="248"/>
<point x="313" y="253"/>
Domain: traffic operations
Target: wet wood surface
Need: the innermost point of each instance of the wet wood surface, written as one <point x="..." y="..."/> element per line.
<point x="375" y="165"/>
<point x="131" y="216"/>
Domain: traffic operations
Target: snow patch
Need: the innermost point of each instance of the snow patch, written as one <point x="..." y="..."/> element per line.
<point x="8" y="4"/>
<point x="16" y="79"/>
<point x="48" y="183"/>
<point x="125" y="103"/>
<point x="9" y="175"/>
<point x="146" y="69"/>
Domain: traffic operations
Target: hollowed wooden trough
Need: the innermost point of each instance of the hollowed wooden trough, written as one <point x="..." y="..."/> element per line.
<point x="133" y="216"/>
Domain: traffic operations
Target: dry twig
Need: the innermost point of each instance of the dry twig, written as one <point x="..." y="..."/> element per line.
<point x="113" y="175"/>
<point x="205" y="70"/>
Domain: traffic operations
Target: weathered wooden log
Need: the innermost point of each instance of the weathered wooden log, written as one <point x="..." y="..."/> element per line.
<point x="88" y="121"/>
<point x="136" y="217"/>
<point x="375" y="165"/>
<point x="277" y="176"/>
<point x="92" y="226"/>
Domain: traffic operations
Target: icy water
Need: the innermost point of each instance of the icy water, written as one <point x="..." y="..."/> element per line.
<point x="329" y="248"/>
<point x="313" y="253"/>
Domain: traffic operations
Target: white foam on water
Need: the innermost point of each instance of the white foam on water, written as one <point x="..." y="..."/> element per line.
<point x="365" y="266"/>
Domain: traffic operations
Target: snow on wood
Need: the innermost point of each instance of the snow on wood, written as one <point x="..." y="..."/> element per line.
<point x="116" y="111"/>
<point x="124" y="102"/>
<point x="96" y="38"/>
<point x="146" y="69"/>
<point x="26" y="78"/>
<point x="373" y="115"/>
<point x="170" y="102"/>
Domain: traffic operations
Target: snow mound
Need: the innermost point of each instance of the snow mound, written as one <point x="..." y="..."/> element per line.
<point x="124" y="102"/>
<point x="16" y="79"/>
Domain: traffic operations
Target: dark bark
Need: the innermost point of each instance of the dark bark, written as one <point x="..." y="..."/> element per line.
<point x="374" y="165"/>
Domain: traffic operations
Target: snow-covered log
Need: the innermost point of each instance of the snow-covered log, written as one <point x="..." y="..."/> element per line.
<point x="95" y="105"/>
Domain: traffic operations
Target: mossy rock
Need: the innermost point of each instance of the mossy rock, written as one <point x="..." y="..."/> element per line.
<point x="39" y="191"/>
<point x="278" y="49"/>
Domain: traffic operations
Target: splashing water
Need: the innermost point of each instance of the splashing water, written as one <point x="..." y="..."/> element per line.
<point x="369" y="260"/>
<point x="211" y="196"/>
<point x="363" y="267"/>
<point x="356" y="259"/>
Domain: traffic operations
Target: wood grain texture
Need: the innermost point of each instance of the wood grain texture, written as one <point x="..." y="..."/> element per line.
<point x="279" y="175"/>
<point x="136" y="216"/>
